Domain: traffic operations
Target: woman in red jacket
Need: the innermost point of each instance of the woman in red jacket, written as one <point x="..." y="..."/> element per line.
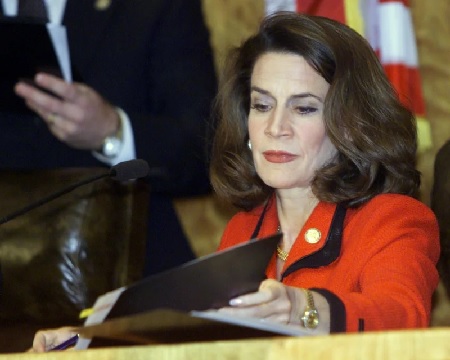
<point x="313" y="142"/>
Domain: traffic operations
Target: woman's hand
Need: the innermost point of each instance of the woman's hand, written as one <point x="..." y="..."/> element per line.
<point x="273" y="301"/>
<point x="45" y="340"/>
<point x="279" y="303"/>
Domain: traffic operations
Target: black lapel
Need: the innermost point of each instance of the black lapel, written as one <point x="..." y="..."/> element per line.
<point x="260" y="220"/>
<point x="330" y="251"/>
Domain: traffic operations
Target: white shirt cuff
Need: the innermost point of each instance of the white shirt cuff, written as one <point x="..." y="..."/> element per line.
<point x="127" y="151"/>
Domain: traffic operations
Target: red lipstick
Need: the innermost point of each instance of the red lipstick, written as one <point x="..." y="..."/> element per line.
<point x="278" y="157"/>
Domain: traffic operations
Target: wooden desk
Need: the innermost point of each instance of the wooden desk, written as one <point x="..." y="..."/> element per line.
<point x="430" y="344"/>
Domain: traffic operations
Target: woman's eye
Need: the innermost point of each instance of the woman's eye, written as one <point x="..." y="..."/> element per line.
<point x="306" y="110"/>
<point x="260" y="107"/>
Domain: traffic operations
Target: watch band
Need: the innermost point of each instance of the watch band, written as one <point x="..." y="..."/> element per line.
<point x="310" y="316"/>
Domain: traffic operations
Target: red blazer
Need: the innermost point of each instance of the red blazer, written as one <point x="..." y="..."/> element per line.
<point x="382" y="277"/>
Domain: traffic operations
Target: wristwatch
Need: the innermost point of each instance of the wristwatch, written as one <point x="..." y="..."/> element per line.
<point x="310" y="316"/>
<point x="112" y="144"/>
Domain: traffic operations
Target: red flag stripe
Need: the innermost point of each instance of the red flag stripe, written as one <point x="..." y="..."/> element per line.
<point x="333" y="9"/>
<point x="406" y="81"/>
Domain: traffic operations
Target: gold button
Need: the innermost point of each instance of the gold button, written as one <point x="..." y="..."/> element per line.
<point x="102" y="4"/>
<point x="312" y="235"/>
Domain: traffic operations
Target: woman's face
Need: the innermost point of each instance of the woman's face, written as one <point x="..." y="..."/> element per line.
<point x="286" y="126"/>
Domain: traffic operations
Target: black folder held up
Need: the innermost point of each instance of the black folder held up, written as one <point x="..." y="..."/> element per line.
<point x="27" y="48"/>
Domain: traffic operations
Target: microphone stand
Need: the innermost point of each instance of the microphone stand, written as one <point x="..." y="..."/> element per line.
<point x="51" y="197"/>
<point x="126" y="170"/>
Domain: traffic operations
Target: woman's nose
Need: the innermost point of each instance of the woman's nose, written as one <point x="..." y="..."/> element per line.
<point x="278" y="123"/>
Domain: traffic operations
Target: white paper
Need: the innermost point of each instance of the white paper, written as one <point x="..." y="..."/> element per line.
<point x="101" y="309"/>
<point x="255" y="323"/>
<point x="58" y="35"/>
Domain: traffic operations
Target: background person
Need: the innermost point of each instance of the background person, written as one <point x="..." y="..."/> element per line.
<point x="440" y="201"/>
<point x="148" y="81"/>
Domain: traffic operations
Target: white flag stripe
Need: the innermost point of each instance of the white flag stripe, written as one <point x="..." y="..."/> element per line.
<point x="280" y="5"/>
<point x="370" y="13"/>
<point x="397" y="43"/>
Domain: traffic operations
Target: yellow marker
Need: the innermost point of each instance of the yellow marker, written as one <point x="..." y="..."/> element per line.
<point x="85" y="313"/>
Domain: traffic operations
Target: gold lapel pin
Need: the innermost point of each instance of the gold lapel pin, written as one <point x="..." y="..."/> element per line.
<point x="312" y="236"/>
<point x="102" y="4"/>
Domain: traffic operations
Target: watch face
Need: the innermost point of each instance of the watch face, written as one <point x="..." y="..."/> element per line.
<point x="310" y="319"/>
<point x="111" y="146"/>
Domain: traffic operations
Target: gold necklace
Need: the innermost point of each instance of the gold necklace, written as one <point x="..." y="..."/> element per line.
<point x="281" y="254"/>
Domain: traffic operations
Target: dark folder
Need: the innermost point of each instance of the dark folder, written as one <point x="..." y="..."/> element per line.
<point x="26" y="49"/>
<point x="207" y="283"/>
<point x="169" y="307"/>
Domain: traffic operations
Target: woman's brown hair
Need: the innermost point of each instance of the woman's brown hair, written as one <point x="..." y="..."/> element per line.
<point x="375" y="135"/>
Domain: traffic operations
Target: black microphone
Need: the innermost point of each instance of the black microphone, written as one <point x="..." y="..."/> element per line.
<point x="127" y="170"/>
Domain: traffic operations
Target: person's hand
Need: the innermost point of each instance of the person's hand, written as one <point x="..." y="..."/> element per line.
<point x="280" y="303"/>
<point x="77" y="115"/>
<point x="273" y="301"/>
<point x="45" y="340"/>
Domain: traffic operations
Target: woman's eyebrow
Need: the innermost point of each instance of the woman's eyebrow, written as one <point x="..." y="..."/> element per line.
<point x="292" y="97"/>
<point x="262" y="91"/>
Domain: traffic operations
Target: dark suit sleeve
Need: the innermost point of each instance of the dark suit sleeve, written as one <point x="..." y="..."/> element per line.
<point x="181" y="86"/>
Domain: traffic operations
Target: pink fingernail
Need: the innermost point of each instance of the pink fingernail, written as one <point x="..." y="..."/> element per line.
<point x="235" y="302"/>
